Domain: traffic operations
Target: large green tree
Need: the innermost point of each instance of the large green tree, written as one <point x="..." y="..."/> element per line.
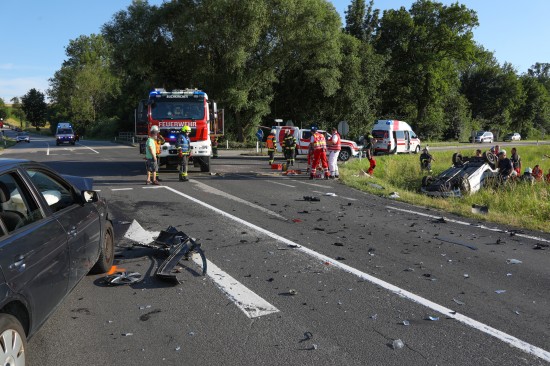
<point x="426" y="48"/>
<point x="3" y="109"/>
<point x="85" y="84"/>
<point x="34" y="105"/>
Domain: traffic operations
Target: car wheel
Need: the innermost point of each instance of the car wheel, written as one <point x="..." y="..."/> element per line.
<point x="465" y="187"/>
<point x="13" y="341"/>
<point x="490" y="158"/>
<point x="417" y="150"/>
<point x="426" y="181"/>
<point x="107" y="253"/>
<point x="457" y="159"/>
<point x="344" y="155"/>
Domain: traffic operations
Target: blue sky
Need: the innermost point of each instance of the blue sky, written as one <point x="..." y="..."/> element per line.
<point x="36" y="32"/>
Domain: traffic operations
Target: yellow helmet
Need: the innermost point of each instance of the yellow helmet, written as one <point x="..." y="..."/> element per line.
<point x="186" y="129"/>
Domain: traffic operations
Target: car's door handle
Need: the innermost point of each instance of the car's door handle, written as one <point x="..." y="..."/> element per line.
<point x="19" y="263"/>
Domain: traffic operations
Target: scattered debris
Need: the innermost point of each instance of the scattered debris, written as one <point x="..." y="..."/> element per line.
<point x="458" y="301"/>
<point x="340" y="258"/>
<point x="406" y="323"/>
<point x="338" y="244"/>
<point x="508" y="274"/>
<point x="446" y="240"/>
<point x="296" y="220"/>
<point x="330" y="194"/>
<point x="292" y="292"/>
<point x="517" y="312"/>
<point x="178" y="348"/>
<point x="191" y="334"/>
<point x="466" y="275"/>
<point x="441" y="220"/>
<point x="122" y="278"/>
<point x="293" y="246"/>
<point x="217" y="174"/>
<point x="500" y="291"/>
<point x="374" y="317"/>
<point x="312" y="198"/>
<point x="513" y="261"/>
<point x="124" y="222"/>
<point x="408" y="270"/>
<point x="479" y="209"/>
<point x="147" y="316"/>
<point x="433" y="318"/>
<point x="307" y="337"/>
<point x="397" y="344"/>
<point x="127" y="334"/>
<point x="394" y="195"/>
<point x="377" y="186"/>
<point x="540" y="246"/>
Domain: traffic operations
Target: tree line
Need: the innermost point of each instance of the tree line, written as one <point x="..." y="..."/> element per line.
<point x="294" y="60"/>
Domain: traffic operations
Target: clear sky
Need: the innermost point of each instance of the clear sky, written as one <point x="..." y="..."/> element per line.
<point x="36" y="32"/>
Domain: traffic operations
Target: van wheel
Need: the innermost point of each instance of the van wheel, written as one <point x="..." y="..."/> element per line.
<point x="344" y="155"/>
<point x="417" y="150"/>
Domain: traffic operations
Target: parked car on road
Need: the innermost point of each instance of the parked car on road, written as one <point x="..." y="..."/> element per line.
<point x="22" y="136"/>
<point x="53" y="230"/>
<point x="512" y="137"/>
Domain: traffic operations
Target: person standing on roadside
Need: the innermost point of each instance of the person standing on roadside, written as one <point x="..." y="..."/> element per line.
<point x="271" y="144"/>
<point x="158" y="144"/>
<point x="151" y="162"/>
<point x="289" y="147"/>
<point x="319" y="147"/>
<point x="334" y="146"/>
<point x="369" y="153"/>
<point x="215" y="144"/>
<point x="183" y="144"/>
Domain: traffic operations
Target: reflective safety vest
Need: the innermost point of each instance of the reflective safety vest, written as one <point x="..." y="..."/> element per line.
<point x="335" y="146"/>
<point x="319" y="142"/>
<point x="159" y="142"/>
<point x="184" y="143"/>
<point x="271" y="141"/>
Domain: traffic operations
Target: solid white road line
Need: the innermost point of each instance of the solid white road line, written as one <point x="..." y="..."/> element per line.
<point x="346" y="198"/>
<point x="310" y="184"/>
<point x="97" y="152"/>
<point x="507" y="338"/>
<point x="121" y="189"/>
<point x="468" y="224"/>
<point x="251" y="304"/>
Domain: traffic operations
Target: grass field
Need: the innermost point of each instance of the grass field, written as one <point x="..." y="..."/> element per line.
<point x="517" y="205"/>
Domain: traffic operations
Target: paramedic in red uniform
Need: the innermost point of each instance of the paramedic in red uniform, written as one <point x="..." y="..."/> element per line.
<point x="319" y="152"/>
<point x="334" y="146"/>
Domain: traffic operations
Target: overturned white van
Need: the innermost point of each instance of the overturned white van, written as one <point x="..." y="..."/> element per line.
<point x="393" y="136"/>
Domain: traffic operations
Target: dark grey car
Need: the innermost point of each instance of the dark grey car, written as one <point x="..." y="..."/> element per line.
<point x="53" y="231"/>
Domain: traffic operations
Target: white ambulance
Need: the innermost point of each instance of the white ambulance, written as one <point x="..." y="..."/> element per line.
<point x="393" y="136"/>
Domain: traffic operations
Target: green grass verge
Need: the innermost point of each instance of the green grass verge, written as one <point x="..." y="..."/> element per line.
<point x="518" y="205"/>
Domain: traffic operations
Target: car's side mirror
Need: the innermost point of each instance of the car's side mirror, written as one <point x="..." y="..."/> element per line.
<point x="90" y="196"/>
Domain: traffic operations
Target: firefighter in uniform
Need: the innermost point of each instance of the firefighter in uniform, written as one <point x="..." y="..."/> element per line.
<point x="183" y="144"/>
<point x="319" y="146"/>
<point x="289" y="147"/>
<point x="158" y="143"/>
<point x="334" y="146"/>
<point x="271" y="144"/>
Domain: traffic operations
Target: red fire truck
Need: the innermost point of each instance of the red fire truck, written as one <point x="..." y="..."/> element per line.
<point x="170" y="111"/>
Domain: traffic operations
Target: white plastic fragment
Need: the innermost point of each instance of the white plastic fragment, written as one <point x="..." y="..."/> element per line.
<point x="406" y="322"/>
<point x="433" y="318"/>
<point x="178" y="348"/>
<point x="127" y="334"/>
<point x="330" y="194"/>
<point x="394" y="195"/>
<point x="466" y="275"/>
<point x="513" y="261"/>
<point x="500" y="291"/>
<point x="397" y="344"/>
<point x="458" y="302"/>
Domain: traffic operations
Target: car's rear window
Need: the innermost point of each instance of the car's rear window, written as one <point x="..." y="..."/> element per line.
<point x="380" y="134"/>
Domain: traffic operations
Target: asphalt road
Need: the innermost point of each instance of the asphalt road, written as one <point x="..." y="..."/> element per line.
<point x="340" y="279"/>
